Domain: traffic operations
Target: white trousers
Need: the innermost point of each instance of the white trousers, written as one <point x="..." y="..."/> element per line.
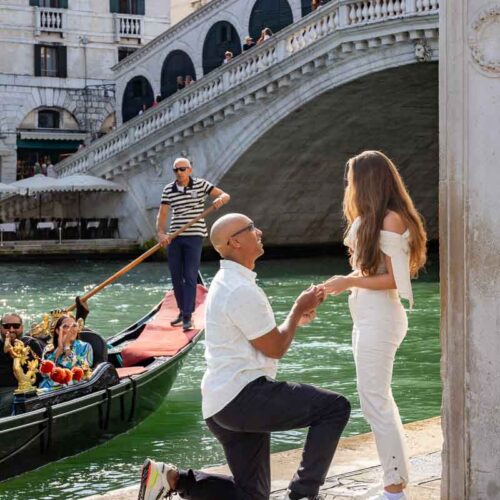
<point x="379" y="326"/>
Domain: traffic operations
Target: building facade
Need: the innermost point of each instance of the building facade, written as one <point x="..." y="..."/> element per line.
<point x="56" y="85"/>
<point x="182" y="8"/>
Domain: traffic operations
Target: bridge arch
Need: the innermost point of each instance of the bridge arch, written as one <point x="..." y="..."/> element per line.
<point x="309" y="143"/>
<point x="177" y="63"/>
<point x="274" y="14"/>
<point x="221" y="36"/>
<point x="138" y="92"/>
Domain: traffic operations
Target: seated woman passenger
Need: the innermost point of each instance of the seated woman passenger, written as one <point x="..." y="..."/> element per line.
<point x="66" y="350"/>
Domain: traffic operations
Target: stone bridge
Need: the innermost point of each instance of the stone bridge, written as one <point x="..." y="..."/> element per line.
<point x="275" y="126"/>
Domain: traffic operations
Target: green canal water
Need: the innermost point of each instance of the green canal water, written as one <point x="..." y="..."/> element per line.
<point x="320" y="354"/>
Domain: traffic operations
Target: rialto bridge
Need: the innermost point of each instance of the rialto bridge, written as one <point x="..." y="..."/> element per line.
<point x="275" y="126"/>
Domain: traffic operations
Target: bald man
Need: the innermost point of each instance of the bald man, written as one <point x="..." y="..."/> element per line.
<point x="242" y="402"/>
<point x="186" y="198"/>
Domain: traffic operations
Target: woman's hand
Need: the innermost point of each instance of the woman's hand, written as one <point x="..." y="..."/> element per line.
<point x="337" y="284"/>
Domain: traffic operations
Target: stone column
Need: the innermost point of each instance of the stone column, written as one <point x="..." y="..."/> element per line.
<point x="470" y="252"/>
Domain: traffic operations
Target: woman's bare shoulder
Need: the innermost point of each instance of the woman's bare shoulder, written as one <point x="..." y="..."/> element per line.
<point x="394" y="222"/>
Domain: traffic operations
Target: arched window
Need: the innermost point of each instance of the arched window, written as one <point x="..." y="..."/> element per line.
<point x="222" y="36"/>
<point x="177" y="63"/>
<point x="274" y="14"/>
<point x="138" y="93"/>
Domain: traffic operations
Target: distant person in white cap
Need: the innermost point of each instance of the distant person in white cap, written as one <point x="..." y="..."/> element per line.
<point x="249" y="43"/>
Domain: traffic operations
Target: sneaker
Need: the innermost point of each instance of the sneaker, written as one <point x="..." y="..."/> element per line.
<point x="177" y="321"/>
<point x="154" y="480"/>
<point x="293" y="496"/>
<point x="187" y="325"/>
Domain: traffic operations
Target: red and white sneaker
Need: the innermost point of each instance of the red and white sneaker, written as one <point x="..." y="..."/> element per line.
<point x="154" y="480"/>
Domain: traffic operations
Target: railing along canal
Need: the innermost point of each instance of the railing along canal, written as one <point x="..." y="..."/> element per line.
<point x="334" y="16"/>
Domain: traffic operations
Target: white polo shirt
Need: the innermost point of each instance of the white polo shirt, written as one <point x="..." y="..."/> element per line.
<point x="237" y="311"/>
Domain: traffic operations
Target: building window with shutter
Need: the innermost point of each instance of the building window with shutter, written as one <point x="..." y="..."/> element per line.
<point x="53" y="4"/>
<point x="136" y="7"/>
<point x="50" y="60"/>
<point x="123" y="52"/>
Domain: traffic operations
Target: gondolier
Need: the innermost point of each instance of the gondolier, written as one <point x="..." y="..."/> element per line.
<point x="186" y="198"/>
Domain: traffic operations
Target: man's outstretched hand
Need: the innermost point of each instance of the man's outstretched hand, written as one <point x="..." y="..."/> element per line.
<point x="308" y="301"/>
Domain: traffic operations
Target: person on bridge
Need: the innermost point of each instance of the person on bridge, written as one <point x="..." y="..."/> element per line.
<point x="242" y="403"/>
<point x="387" y="244"/>
<point x="186" y="197"/>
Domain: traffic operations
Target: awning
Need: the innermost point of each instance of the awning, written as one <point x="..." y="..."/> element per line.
<point x="52" y="135"/>
<point x="84" y="182"/>
<point x="35" y="185"/>
<point x="7" y="189"/>
<point x="46" y="145"/>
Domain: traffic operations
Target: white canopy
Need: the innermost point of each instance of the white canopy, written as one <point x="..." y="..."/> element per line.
<point x="84" y="182"/>
<point x="80" y="182"/>
<point x="7" y="188"/>
<point x="35" y="185"/>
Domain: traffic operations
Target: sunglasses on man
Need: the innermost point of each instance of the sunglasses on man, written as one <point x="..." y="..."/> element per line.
<point x="180" y="169"/>
<point x="8" y="326"/>
<point x="249" y="227"/>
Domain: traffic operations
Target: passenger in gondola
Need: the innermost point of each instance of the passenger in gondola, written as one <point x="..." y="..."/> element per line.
<point x="11" y="327"/>
<point x="66" y="351"/>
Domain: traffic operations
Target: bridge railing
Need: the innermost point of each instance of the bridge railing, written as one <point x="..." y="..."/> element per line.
<point x="336" y="15"/>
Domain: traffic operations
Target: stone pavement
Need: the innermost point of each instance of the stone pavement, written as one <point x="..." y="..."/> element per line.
<point x="355" y="472"/>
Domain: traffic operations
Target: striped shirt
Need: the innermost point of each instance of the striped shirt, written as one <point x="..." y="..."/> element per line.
<point x="187" y="203"/>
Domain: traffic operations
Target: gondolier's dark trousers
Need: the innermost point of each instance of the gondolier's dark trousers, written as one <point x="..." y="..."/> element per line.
<point x="243" y="428"/>
<point x="184" y="255"/>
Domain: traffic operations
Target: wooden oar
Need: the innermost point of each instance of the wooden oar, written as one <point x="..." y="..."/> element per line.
<point x="142" y="257"/>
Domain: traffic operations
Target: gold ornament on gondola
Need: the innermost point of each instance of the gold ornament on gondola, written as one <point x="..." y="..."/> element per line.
<point x="45" y="328"/>
<point x="20" y="354"/>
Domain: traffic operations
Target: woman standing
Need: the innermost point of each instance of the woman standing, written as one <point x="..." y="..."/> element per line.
<point x="387" y="246"/>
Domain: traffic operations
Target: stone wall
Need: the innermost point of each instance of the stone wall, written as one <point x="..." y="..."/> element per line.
<point x="470" y="247"/>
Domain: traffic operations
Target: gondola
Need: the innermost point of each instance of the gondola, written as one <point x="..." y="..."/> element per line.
<point x="123" y="390"/>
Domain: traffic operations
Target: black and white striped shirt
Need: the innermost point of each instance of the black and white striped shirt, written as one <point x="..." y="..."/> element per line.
<point x="187" y="203"/>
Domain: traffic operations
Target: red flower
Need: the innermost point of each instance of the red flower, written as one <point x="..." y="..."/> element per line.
<point x="77" y="373"/>
<point x="68" y="375"/>
<point x="47" y="367"/>
<point x="58" y="375"/>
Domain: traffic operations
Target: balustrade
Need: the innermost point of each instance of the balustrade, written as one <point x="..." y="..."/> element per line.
<point x="427" y="5"/>
<point x="128" y="26"/>
<point x="49" y="19"/>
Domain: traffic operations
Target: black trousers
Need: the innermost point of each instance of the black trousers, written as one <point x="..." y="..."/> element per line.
<point x="184" y="255"/>
<point x="243" y="428"/>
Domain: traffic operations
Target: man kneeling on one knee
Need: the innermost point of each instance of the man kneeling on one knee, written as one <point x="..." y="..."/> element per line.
<point x="242" y="401"/>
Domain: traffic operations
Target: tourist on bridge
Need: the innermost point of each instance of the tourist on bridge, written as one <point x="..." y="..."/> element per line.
<point x="186" y="198"/>
<point x="249" y="43"/>
<point x="228" y="57"/>
<point x="387" y="244"/>
<point x="242" y="403"/>
<point x="265" y="35"/>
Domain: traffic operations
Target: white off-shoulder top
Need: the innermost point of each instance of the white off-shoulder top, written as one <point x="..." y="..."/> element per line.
<point x="397" y="247"/>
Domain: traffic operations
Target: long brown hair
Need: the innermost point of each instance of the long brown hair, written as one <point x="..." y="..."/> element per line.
<point x="374" y="186"/>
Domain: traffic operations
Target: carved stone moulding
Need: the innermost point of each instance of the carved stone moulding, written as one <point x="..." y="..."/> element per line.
<point x="484" y="40"/>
